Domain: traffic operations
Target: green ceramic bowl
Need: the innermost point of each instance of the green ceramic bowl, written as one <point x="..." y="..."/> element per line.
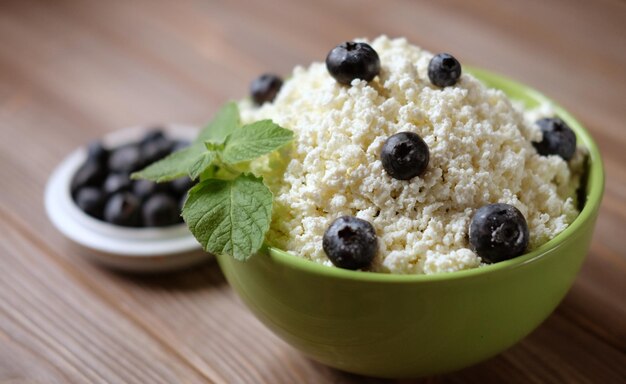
<point x="407" y="326"/>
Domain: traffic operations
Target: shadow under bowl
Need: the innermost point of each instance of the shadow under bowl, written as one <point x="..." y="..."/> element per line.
<point x="398" y="326"/>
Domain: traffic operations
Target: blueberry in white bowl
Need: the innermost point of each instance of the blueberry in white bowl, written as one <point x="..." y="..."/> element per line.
<point x="103" y="189"/>
<point x="91" y="199"/>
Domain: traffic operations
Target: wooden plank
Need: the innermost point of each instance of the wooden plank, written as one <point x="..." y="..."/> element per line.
<point x="53" y="328"/>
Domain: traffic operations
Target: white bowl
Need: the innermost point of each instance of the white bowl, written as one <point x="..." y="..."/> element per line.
<point x="131" y="249"/>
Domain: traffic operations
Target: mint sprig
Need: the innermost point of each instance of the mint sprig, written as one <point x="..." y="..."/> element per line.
<point x="202" y="162"/>
<point x="176" y="165"/>
<point x="229" y="214"/>
<point x="254" y="140"/>
<point x="192" y="160"/>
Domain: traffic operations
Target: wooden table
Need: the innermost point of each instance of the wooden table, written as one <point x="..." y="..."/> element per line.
<point x="71" y="71"/>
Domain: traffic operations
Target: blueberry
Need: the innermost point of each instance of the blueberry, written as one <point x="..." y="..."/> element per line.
<point x="558" y="138"/>
<point x="350" y="243"/>
<point x="91" y="201"/>
<point x="265" y="88"/>
<point x="181" y="203"/>
<point x="152" y="135"/>
<point x="156" y="149"/>
<point x="498" y="232"/>
<point x="123" y="209"/>
<point x="116" y="182"/>
<point x="444" y="70"/>
<point x="144" y="188"/>
<point x="181" y="185"/>
<point x="91" y="173"/>
<point x="126" y="159"/>
<point x="405" y="155"/>
<point x="96" y="152"/>
<point x="160" y="210"/>
<point x="350" y="60"/>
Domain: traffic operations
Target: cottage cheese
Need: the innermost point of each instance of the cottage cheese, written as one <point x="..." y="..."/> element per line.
<point x="480" y="153"/>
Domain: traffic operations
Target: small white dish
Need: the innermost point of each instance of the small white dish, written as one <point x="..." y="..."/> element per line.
<point x="131" y="249"/>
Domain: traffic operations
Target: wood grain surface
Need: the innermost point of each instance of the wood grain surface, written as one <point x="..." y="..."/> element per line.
<point x="72" y="70"/>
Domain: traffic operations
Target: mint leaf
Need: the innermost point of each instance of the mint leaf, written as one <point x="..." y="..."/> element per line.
<point x="226" y="120"/>
<point x="202" y="162"/>
<point x="229" y="216"/>
<point x="254" y="140"/>
<point x="214" y="145"/>
<point x="173" y="166"/>
<point x="209" y="173"/>
<point x="195" y="159"/>
<point x="229" y="212"/>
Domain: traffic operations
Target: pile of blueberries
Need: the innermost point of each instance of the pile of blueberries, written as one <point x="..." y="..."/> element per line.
<point x="497" y="231"/>
<point x="102" y="187"/>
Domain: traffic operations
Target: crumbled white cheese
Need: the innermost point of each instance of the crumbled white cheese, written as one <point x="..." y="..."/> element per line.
<point x="480" y="153"/>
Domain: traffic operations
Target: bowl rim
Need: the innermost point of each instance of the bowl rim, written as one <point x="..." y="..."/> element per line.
<point x="594" y="192"/>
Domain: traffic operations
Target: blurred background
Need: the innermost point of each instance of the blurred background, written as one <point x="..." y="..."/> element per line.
<point x="72" y="70"/>
<point x="128" y="62"/>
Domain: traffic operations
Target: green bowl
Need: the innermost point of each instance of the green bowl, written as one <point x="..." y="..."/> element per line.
<point x="398" y="326"/>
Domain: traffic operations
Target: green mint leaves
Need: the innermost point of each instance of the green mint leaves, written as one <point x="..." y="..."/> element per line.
<point x="202" y="162"/>
<point x="232" y="214"/>
<point x="254" y="140"/>
<point x="172" y="167"/>
<point x="196" y="158"/>
<point x="225" y="121"/>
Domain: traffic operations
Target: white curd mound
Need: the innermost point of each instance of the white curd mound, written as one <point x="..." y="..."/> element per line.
<point x="480" y="153"/>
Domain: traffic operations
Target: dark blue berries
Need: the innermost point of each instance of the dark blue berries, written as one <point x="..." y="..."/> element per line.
<point x="123" y="209"/>
<point x="181" y="185"/>
<point x="350" y="60"/>
<point x="91" y="201"/>
<point x="350" y="243"/>
<point x="558" y="138"/>
<point x="160" y="210"/>
<point x="116" y="182"/>
<point x="155" y="146"/>
<point x="444" y="70"/>
<point x="144" y="188"/>
<point x="97" y="153"/>
<point x="101" y="187"/>
<point x="405" y="155"/>
<point x="498" y="232"/>
<point x="126" y="159"/>
<point x="91" y="173"/>
<point x="265" y="88"/>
